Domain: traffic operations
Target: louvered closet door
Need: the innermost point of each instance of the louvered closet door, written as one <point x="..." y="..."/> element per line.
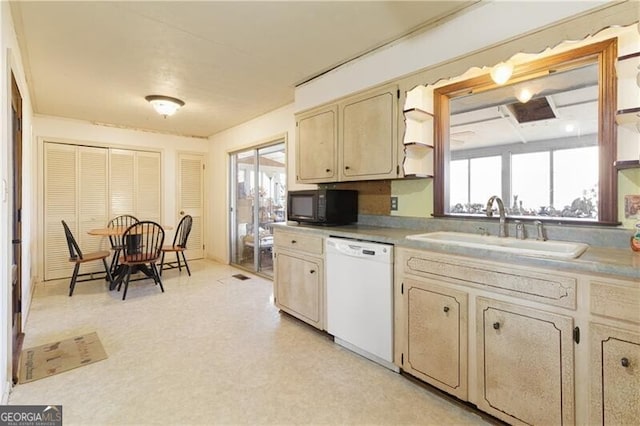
<point x="93" y="201"/>
<point x="122" y="182"/>
<point x="148" y="194"/>
<point x="60" y="203"/>
<point x="190" y="200"/>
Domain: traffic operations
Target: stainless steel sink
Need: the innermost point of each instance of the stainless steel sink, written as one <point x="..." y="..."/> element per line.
<point x="551" y="249"/>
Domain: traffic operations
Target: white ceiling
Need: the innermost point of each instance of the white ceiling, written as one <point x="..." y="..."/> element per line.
<point x="229" y="61"/>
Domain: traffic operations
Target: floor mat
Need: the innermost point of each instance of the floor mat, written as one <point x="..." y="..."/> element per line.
<point x="53" y="358"/>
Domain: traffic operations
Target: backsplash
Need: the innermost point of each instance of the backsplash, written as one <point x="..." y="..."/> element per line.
<point x="593" y="235"/>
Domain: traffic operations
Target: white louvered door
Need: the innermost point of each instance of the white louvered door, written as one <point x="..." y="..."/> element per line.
<point x="86" y="187"/>
<point x="93" y="201"/>
<point x="148" y="186"/>
<point x="190" y="200"/>
<point x="60" y="203"/>
<point x="122" y="182"/>
<point x="135" y="184"/>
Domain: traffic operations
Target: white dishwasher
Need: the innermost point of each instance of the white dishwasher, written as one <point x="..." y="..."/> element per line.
<point x="359" y="277"/>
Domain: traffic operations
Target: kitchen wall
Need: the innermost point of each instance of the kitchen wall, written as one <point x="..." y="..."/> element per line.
<point x="10" y="61"/>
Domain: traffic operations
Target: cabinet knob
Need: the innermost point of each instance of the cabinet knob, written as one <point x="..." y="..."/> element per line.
<point x="446" y="309"/>
<point x="496" y="325"/>
<point x="328" y="170"/>
<point x="624" y="362"/>
<point x="346" y="167"/>
<point x="293" y="241"/>
<point x="312" y="271"/>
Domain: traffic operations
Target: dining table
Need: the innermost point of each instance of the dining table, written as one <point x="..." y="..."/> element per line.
<point x="119" y="273"/>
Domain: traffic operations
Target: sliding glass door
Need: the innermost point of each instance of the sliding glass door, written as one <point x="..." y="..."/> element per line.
<point x="258" y="197"/>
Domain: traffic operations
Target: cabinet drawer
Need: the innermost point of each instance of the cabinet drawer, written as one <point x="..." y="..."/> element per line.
<point x="299" y="242"/>
<point x="525" y="283"/>
<point x="615" y="300"/>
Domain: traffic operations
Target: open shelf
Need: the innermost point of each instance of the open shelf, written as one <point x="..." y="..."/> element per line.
<point x="629" y="118"/>
<point x="627" y="164"/>
<point x="417" y="114"/>
<point x="418" y="161"/>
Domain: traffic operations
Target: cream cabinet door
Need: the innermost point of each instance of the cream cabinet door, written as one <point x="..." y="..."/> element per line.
<point x="316" y="145"/>
<point x="436" y="322"/>
<point x="525" y="364"/>
<point x="368" y="135"/>
<point x="299" y="286"/>
<point x="615" y="376"/>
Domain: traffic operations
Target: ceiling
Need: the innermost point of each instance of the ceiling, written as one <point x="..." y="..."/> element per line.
<point x="228" y="61"/>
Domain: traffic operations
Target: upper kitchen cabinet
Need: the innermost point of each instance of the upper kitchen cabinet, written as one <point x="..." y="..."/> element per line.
<point x="358" y="134"/>
<point x="317" y="145"/>
<point x="368" y="135"/>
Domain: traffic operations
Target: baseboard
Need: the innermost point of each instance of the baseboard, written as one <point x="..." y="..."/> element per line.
<point x="5" y="393"/>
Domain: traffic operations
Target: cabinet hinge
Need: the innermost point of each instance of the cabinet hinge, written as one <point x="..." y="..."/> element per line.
<point x="203" y="167"/>
<point x="397" y="169"/>
<point x="398" y="93"/>
<point x="576" y="335"/>
<point x="402" y="288"/>
<point x="402" y="359"/>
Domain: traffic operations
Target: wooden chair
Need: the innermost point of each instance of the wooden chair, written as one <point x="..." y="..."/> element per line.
<point x="76" y="256"/>
<point x="142" y="247"/>
<point x="123" y="221"/>
<point x="179" y="246"/>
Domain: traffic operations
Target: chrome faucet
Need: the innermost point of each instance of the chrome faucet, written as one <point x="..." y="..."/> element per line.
<point x="502" y="230"/>
<point x="540" y="228"/>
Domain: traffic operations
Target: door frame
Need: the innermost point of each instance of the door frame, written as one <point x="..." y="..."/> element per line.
<point x="232" y="192"/>
<point x="17" y="334"/>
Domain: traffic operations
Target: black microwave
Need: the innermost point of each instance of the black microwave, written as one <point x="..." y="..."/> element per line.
<point x="323" y="206"/>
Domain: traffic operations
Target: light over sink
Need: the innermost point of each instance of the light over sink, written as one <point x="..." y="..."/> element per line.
<point x="550" y="249"/>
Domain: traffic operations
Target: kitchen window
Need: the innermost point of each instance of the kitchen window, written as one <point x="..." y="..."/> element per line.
<point x="537" y="183"/>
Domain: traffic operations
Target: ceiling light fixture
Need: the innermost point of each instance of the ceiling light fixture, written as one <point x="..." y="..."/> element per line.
<point x="524" y="95"/>
<point x="501" y="72"/>
<point x="164" y="105"/>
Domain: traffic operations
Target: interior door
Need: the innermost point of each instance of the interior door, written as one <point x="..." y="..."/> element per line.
<point x="16" y="262"/>
<point x="190" y="200"/>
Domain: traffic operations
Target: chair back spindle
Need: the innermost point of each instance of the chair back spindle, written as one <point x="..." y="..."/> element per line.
<point x="143" y="242"/>
<point x="183" y="231"/>
<point x="74" y="248"/>
<point x="123" y="221"/>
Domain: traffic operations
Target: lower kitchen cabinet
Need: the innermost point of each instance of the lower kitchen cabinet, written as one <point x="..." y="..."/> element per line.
<point x="615" y="376"/>
<point x="436" y="343"/>
<point x="525" y="364"/>
<point x="299" y="286"/>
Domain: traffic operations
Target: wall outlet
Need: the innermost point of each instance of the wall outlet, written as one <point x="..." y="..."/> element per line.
<point x="394" y="204"/>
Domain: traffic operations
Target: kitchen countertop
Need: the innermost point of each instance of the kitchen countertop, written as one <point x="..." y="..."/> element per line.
<point x="601" y="260"/>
